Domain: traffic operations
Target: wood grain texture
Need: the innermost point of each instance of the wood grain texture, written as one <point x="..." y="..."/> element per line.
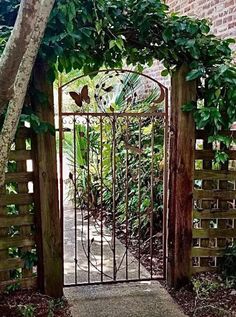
<point x="20" y="155"/>
<point x="215" y="203"/>
<point x="52" y="258"/>
<point x="11" y="264"/>
<point x="214" y="233"/>
<point x="17" y="199"/>
<point x="182" y="141"/>
<point x="210" y="155"/>
<point x="21" y="220"/>
<point x="215" y="175"/>
<point x="201" y="269"/>
<point x="201" y="252"/>
<point x="22" y="177"/>
<point x="215" y="214"/>
<point x="214" y="194"/>
<point x="17" y="242"/>
<point x="26" y="283"/>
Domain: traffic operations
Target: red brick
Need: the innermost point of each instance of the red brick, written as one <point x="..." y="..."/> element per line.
<point x="229" y="3"/>
<point x="218" y="22"/>
<point x="222" y="13"/>
<point x="232" y="25"/>
<point x="227" y="19"/>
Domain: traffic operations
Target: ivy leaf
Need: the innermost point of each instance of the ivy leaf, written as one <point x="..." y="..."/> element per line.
<point x="217" y="93"/>
<point x="167" y="34"/>
<point x="120" y="43"/>
<point x="112" y="44"/>
<point x="140" y="68"/>
<point x="165" y="72"/>
<point x="194" y="74"/>
<point x="98" y="25"/>
<point x="221" y="157"/>
<point x="30" y="259"/>
<point x="230" y="41"/>
<point x="188" y="107"/>
<point x="204" y="28"/>
<point x="117" y="43"/>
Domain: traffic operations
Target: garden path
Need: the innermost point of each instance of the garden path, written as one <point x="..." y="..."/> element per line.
<point x="135" y="299"/>
<point x="142" y="299"/>
<point x="81" y="255"/>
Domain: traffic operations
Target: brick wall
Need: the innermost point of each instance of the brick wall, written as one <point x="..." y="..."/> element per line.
<point x="221" y="13"/>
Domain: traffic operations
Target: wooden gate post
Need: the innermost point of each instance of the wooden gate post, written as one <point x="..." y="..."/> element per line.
<point x="51" y="261"/>
<point x="181" y="178"/>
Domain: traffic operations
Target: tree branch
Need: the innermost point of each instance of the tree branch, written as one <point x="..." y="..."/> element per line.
<point x="21" y="84"/>
<point x="16" y="47"/>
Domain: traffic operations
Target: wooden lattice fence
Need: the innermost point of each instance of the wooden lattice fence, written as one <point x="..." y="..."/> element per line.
<point x="214" y="214"/>
<point x="17" y="216"/>
<point x="30" y="226"/>
<point x="202" y="208"/>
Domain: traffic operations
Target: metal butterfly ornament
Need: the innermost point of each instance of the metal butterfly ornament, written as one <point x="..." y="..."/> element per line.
<point x="83" y="96"/>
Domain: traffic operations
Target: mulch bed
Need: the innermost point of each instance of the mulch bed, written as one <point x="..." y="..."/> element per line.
<point x="30" y="303"/>
<point x="145" y="259"/>
<point x="207" y="296"/>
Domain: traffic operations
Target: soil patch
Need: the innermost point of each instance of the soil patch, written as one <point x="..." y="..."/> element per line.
<point x="31" y="303"/>
<point x="207" y="296"/>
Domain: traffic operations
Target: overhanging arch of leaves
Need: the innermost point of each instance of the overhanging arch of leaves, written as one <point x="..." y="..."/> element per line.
<point x="87" y="34"/>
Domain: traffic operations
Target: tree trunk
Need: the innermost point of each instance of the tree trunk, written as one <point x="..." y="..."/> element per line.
<point x="16" y="48"/>
<point x="20" y="86"/>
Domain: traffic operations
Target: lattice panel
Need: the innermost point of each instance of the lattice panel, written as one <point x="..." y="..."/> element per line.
<point x="214" y="214"/>
<point x="17" y="229"/>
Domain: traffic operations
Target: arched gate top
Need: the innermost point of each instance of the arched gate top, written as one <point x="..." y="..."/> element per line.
<point x="114" y="91"/>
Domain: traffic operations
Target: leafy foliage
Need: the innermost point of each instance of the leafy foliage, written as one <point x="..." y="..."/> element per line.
<point x="36" y="124"/>
<point x="126" y="150"/>
<point x="86" y="34"/>
<point x="27" y="310"/>
<point x="8" y="12"/>
<point x="12" y="288"/>
<point x="30" y="258"/>
<point x="228" y="263"/>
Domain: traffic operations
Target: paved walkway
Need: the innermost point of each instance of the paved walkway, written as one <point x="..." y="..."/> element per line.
<point x="143" y="299"/>
<point x="76" y="247"/>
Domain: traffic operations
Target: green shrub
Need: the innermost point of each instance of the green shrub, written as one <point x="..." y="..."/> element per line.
<point x="27" y="310"/>
<point x="228" y="264"/>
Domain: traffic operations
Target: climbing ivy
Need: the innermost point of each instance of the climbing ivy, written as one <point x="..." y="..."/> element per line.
<point x="88" y="34"/>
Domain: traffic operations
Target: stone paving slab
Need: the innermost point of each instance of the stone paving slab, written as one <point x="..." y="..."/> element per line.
<point x="143" y="299"/>
<point x="74" y="274"/>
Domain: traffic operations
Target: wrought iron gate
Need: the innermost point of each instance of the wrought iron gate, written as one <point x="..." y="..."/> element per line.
<point x="113" y="177"/>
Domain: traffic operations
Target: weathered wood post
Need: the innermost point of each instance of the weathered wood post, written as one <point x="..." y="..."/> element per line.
<point x="181" y="178"/>
<point x="51" y="257"/>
